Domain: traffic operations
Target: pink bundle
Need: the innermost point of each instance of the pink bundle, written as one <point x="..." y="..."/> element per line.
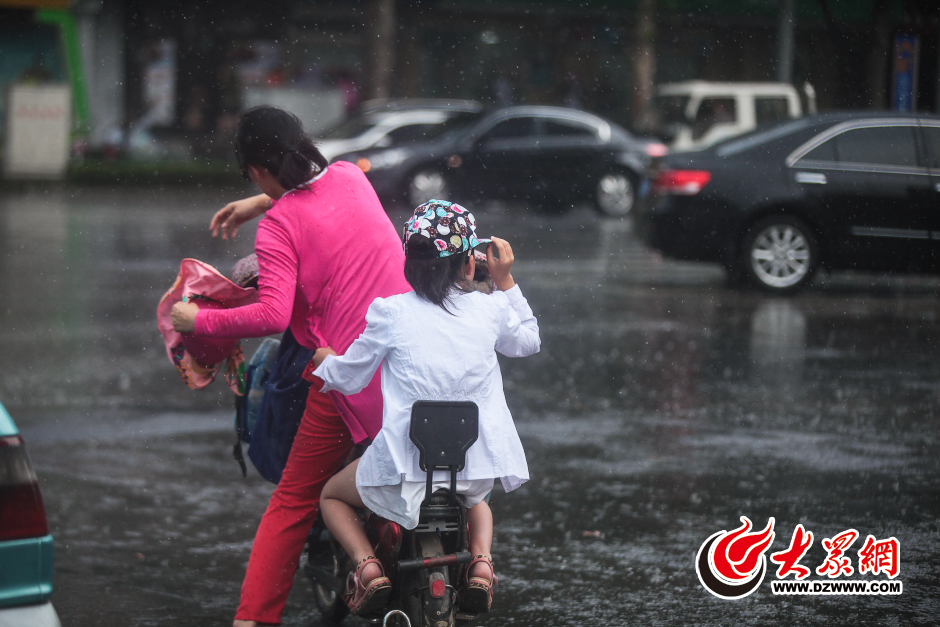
<point x="199" y="358"/>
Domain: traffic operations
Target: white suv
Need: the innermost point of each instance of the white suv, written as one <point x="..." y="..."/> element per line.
<point x="695" y="114"/>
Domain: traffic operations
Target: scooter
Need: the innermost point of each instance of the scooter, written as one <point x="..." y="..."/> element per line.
<point x="426" y="564"/>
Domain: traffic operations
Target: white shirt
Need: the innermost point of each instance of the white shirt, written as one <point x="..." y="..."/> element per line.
<point x="428" y="353"/>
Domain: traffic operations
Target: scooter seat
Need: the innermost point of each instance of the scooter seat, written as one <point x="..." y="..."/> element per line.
<point x="443" y="431"/>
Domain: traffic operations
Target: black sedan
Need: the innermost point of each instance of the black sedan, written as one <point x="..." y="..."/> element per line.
<point x="530" y="153"/>
<point x="844" y="191"/>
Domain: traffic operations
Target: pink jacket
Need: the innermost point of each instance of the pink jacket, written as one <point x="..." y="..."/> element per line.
<point x="324" y="255"/>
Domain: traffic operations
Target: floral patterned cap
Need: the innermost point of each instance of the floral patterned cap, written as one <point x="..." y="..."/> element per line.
<point x="450" y="227"/>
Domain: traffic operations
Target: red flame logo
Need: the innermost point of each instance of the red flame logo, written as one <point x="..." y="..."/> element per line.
<point x="731" y="564"/>
<point x="737" y="554"/>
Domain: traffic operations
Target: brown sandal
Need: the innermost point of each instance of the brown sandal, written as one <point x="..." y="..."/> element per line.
<point x="371" y="597"/>
<point x="477" y="596"/>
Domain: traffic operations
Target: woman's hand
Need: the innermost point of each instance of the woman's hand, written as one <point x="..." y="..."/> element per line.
<point x="499" y="267"/>
<point x="233" y="215"/>
<point x="183" y="316"/>
<point x="321" y="354"/>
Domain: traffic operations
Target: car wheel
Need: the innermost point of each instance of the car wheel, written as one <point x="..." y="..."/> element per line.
<point x="426" y="185"/>
<point x="780" y="254"/>
<point x="615" y="194"/>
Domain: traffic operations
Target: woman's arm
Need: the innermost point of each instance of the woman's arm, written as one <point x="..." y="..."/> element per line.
<point x="277" y="284"/>
<point x="350" y="373"/>
<point x="183" y="315"/>
<point x="227" y="219"/>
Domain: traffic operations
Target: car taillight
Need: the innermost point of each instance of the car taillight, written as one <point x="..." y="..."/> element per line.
<point x="681" y="182"/>
<point x="656" y="149"/>
<point x="22" y="514"/>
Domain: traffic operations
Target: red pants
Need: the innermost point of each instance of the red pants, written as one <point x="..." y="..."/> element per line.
<point x="319" y="450"/>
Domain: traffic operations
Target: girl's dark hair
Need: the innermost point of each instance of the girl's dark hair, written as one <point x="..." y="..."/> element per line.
<point x="274" y="139"/>
<point x="433" y="278"/>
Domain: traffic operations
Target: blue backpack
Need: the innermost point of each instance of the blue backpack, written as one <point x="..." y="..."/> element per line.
<point x="267" y="416"/>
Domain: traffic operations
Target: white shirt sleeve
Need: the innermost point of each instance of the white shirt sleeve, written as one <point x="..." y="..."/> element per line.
<point x="350" y="373"/>
<point x="519" y="331"/>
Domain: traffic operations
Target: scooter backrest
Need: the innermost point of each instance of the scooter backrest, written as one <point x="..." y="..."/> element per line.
<point x="443" y="431"/>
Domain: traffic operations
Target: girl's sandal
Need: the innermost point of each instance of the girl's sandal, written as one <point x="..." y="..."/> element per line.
<point x="367" y="598"/>
<point x="477" y="596"/>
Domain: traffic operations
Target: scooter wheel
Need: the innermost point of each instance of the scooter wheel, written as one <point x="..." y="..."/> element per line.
<point x="330" y="602"/>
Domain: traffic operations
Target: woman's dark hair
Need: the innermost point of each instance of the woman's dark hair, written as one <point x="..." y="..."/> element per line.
<point x="433" y="278"/>
<point x="275" y="140"/>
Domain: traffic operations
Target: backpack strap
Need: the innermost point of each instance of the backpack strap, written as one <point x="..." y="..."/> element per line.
<point x="237" y="452"/>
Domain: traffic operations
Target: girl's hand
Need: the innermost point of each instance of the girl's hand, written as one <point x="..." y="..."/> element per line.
<point x="499" y="267"/>
<point x="233" y="215"/>
<point x="321" y="354"/>
<point x="183" y="316"/>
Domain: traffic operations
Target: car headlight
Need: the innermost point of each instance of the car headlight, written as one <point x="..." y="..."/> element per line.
<point x="388" y="159"/>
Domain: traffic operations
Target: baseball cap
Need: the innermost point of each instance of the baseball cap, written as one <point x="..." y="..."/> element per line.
<point x="449" y="227"/>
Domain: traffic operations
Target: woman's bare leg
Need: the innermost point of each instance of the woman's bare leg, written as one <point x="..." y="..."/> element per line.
<point x="339" y="498"/>
<point x="480" y="521"/>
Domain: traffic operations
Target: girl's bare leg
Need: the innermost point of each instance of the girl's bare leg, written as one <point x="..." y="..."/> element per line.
<point x="480" y="520"/>
<point x="245" y="623"/>
<point x="339" y="498"/>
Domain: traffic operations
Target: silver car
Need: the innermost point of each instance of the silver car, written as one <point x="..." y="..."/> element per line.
<point x="391" y="123"/>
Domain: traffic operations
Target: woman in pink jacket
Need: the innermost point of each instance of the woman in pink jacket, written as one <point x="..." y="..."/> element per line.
<point x="326" y="250"/>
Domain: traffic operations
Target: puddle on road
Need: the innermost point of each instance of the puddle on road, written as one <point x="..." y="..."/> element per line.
<point x="662" y="407"/>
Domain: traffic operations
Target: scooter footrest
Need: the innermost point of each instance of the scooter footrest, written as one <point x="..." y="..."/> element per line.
<point x="433" y="562"/>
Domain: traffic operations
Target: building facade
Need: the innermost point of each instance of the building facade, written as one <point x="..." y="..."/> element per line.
<point x="180" y="69"/>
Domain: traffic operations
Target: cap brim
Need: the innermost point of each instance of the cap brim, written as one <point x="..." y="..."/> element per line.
<point x="483" y="243"/>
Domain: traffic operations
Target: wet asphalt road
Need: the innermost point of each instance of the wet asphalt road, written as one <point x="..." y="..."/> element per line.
<point x="662" y="407"/>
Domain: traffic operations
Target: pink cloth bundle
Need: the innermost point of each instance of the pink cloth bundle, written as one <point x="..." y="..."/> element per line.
<point x="199" y="358"/>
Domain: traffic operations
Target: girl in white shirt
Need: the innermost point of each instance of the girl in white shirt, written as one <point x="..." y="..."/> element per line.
<point x="436" y="343"/>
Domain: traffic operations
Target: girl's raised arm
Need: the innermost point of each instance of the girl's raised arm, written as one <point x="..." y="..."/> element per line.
<point x="519" y="330"/>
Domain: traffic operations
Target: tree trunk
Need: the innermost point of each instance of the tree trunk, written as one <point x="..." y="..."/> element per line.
<point x="644" y="61"/>
<point x="785" y="41"/>
<point x="380" y="47"/>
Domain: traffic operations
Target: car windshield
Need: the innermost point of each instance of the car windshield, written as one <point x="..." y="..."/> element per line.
<point x="455" y="126"/>
<point x="738" y="145"/>
<point x="353" y="127"/>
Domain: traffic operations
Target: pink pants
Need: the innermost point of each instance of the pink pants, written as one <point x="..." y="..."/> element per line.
<point x="319" y="450"/>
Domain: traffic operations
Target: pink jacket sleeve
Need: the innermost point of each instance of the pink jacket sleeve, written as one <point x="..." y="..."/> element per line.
<point x="277" y="283"/>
